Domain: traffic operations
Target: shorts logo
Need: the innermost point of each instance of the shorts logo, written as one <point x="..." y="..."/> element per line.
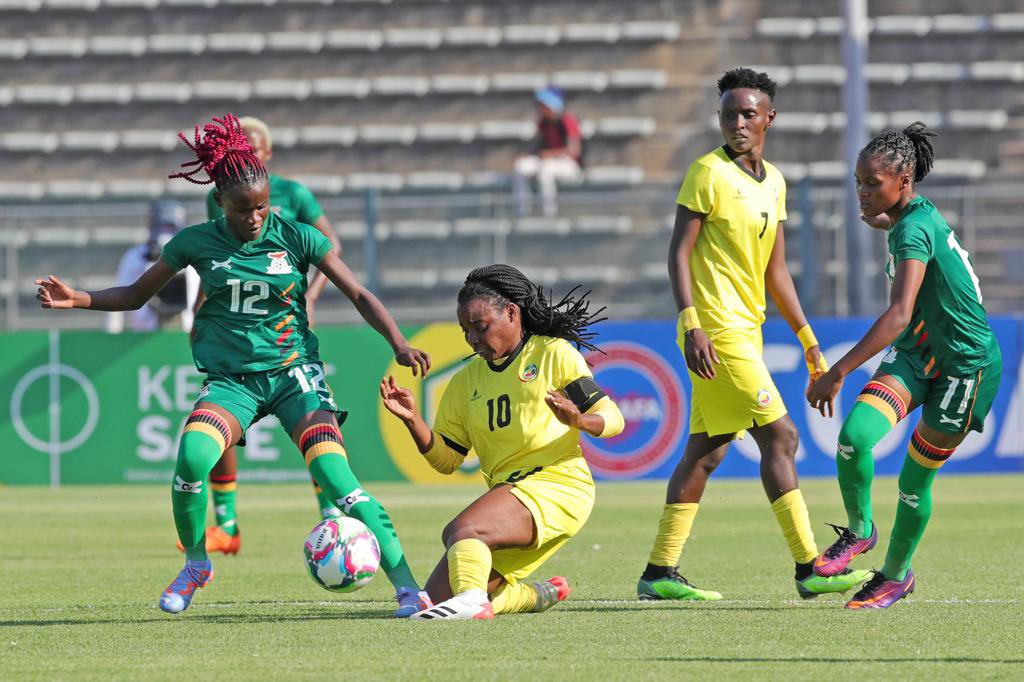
<point x="890" y="356"/>
<point x="647" y="389"/>
<point x="764" y="397"/>
<point x="203" y="392"/>
<point x="958" y="423"/>
<point x="909" y="500"/>
<point x="183" y="486"/>
<point x="352" y="499"/>
<point x="529" y="374"/>
<point x="278" y="263"/>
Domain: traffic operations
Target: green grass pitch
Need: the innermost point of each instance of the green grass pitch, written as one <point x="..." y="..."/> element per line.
<point x="82" y="569"/>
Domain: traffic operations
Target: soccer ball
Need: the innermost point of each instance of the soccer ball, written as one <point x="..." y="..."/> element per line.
<point x="341" y="554"/>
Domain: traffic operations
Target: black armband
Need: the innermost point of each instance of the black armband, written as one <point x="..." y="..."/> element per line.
<point x="584" y="393"/>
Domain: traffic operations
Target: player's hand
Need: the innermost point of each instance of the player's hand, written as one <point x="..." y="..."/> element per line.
<point x="821" y="394"/>
<point x="413" y="358"/>
<point x="700" y="354"/>
<point x="879" y="222"/>
<point x="816" y="363"/>
<point x="53" y="293"/>
<point x="565" y="410"/>
<point x="398" y="400"/>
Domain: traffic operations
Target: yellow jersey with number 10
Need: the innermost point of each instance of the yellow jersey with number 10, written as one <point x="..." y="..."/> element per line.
<point x="729" y="260"/>
<point x="498" y="410"/>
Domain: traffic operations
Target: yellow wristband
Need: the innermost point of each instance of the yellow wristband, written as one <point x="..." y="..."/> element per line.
<point x="806" y="337"/>
<point x="689" y="320"/>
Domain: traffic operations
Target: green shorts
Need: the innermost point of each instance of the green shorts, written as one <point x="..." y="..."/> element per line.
<point x="952" y="404"/>
<point x="288" y="394"/>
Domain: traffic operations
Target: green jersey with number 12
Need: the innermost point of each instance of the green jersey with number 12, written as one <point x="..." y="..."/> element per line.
<point x="948" y="332"/>
<point x="254" y="317"/>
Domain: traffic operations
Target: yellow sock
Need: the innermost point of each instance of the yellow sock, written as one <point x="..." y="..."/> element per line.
<point x="791" y="512"/>
<point x="518" y="598"/>
<point x="673" y="529"/>
<point x="469" y="566"/>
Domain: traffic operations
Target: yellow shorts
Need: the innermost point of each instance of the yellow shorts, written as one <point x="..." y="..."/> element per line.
<point x="559" y="498"/>
<point x="742" y="394"/>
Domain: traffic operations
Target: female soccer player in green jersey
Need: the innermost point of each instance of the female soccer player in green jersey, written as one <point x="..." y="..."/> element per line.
<point x="254" y="344"/>
<point x="944" y="358"/>
<point x="521" y="405"/>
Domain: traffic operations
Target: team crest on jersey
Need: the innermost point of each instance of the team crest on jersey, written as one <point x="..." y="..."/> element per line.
<point x="529" y="374"/>
<point x="278" y="263"/>
<point x="764" y="397"/>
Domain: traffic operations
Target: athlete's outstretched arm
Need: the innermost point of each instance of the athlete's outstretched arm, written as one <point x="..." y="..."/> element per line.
<point x="698" y="350"/>
<point x="53" y="293"/>
<point x="400" y="402"/>
<point x="374" y="312"/>
<point x="906" y="284"/>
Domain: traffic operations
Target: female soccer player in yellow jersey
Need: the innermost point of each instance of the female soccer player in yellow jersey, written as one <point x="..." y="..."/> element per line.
<point x="520" y="405"/>
<point x="727" y="248"/>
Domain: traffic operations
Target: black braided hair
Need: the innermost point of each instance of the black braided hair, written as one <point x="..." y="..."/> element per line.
<point x="905" y="149"/>
<point x="568" y="319"/>
<point x="746" y="78"/>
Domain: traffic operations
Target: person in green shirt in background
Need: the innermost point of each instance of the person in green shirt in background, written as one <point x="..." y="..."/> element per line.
<point x="293" y="201"/>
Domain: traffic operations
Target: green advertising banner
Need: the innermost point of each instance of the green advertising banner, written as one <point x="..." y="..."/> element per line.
<point x="90" y="407"/>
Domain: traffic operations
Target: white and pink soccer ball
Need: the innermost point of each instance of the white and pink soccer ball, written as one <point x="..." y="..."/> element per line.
<point x="341" y="554"/>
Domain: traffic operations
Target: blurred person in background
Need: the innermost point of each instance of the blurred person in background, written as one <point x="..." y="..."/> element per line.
<point x="173" y="303"/>
<point x="288" y="199"/>
<point x="557" y="154"/>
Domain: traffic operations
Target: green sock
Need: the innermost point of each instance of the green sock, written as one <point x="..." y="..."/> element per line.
<point x="912" y="514"/>
<point x="224" y="490"/>
<point x="198" y="452"/>
<point x="855" y="462"/>
<point x="324" y="500"/>
<point x="332" y="472"/>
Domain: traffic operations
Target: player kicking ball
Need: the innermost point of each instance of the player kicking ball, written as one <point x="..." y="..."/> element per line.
<point x="254" y="344"/>
<point x="727" y="248"/>
<point x="944" y="358"/>
<point x="521" y="405"/>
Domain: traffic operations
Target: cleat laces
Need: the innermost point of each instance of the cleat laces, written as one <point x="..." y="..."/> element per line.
<point x="675" y="576"/>
<point x="876" y="581"/>
<point x="846" y="540"/>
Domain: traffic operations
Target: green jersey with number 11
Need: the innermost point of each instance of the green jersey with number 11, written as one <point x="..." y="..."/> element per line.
<point x="254" y="317"/>
<point x="948" y="331"/>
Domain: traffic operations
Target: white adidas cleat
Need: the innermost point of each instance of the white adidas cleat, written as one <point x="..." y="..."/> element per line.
<point x="468" y="605"/>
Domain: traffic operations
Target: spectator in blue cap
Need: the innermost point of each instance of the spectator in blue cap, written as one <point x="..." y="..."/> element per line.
<point x="557" y="154"/>
<point x="176" y="301"/>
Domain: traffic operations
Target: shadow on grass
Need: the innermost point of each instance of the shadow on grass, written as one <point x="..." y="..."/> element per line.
<point x="206" y="618"/>
<point x="704" y="607"/>
<point x="824" y="659"/>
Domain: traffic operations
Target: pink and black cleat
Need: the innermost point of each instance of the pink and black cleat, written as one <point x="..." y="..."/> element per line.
<point x="881" y="593"/>
<point x="839" y="555"/>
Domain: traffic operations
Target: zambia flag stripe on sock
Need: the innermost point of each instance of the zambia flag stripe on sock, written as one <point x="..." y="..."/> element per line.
<point x="926" y="454"/>
<point x="319" y="440"/>
<point x="211" y="423"/>
<point x="885" y="400"/>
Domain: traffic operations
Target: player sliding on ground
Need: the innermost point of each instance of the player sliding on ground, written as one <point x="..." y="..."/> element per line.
<point x="727" y="247"/>
<point x="254" y="344"/>
<point x="520" y="405"/>
<point x="944" y="357"/>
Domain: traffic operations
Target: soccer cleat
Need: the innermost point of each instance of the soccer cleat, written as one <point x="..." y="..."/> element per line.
<point x="468" y="605"/>
<point x="179" y="593"/>
<point x="411" y="600"/>
<point x="217" y="540"/>
<point x="550" y="592"/>
<point x="813" y="585"/>
<point x="839" y="555"/>
<point x="673" y="586"/>
<point x="881" y="593"/>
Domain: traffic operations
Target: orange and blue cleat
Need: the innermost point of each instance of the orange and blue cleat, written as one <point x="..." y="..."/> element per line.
<point x="179" y="593"/>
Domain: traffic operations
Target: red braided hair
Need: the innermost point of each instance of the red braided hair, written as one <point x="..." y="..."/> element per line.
<point x="224" y="154"/>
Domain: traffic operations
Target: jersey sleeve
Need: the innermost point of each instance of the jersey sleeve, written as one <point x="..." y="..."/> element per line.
<point x="213" y="211"/>
<point x="698" y="190"/>
<point x="179" y="252"/>
<point x="913" y="242"/>
<point x="450" y="423"/>
<point x="307" y="210"/>
<point x="572" y="127"/>
<point x="313" y="244"/>
<point x="570" y="364"/>
<point x="782" y="199"/>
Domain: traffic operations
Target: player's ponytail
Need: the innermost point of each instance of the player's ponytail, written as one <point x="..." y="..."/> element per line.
<point x="568" y="319"/>
<point x="908" y="149"/>
<point x="224" y="154"/>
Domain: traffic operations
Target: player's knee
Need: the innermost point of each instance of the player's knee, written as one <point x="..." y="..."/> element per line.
<point x="463" y="529"/>
<point x="710" y="462"/>
<point x="785" y="442"/>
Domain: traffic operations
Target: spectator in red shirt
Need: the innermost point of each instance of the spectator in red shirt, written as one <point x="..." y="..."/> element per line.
<point x="557" y="153"/>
